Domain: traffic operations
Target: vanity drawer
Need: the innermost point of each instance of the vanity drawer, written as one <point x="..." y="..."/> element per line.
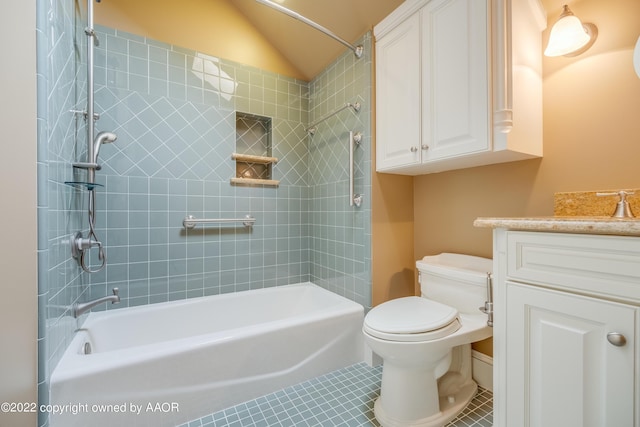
<point x="603" y="266"/>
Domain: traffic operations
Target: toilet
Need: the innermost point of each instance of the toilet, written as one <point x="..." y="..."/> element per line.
<point x="425" y="342"/>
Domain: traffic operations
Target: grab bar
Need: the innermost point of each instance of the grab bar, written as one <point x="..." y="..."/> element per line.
<point x="191" y="221"/>
<point x="312" y="127"/>
<point x="354" y="139"/>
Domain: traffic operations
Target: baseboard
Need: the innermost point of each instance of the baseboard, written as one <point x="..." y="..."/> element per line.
<point x="482" y="366"/>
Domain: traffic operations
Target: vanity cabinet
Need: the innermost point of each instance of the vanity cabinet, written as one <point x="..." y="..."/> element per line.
<point x="458" y="84"/>
<point x="566" y="329"/>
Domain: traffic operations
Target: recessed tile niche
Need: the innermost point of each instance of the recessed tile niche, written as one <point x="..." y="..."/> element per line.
<point x="254" y="163"/>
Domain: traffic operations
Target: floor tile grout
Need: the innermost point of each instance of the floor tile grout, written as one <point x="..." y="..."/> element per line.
<point x="341" y="398"/>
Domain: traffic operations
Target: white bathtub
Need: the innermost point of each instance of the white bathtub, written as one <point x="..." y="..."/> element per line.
<point x="169" y="363"/>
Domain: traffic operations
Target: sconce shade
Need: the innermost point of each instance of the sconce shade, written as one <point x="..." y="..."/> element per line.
<point x="569" y="36"/>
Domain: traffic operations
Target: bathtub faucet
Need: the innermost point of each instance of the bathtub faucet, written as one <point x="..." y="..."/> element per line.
<point x="78" y="309"/>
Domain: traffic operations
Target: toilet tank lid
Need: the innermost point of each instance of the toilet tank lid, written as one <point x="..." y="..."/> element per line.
<point x="458" y="266"/>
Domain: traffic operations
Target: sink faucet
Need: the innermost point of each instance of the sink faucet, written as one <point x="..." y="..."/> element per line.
<point x="78" y="309"/>
<point x="622" y="207"/>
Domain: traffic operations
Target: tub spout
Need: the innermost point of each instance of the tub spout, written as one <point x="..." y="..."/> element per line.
<point x="78" y="309"/>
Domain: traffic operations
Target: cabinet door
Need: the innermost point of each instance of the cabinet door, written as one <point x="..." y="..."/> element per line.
<point x="398" y="96"/>
<point x="455" y="113"/>
<point x="561" y="369"/>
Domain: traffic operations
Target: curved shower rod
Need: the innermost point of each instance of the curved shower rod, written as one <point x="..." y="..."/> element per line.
<point x="357" y="50"/>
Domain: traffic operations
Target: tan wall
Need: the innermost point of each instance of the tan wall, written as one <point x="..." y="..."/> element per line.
<point x="18" y="260"/>
<point x="591" y="113"/>
<point x="216" y="27"/>
<point x="392" y="242"/>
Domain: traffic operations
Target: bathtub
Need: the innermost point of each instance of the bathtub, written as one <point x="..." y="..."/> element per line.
<point x="169" y="363"/>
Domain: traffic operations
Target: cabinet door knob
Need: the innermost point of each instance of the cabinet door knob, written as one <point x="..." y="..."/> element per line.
<point x="425" y="147"/>
<point x="616" y="339"/>
<point x="414" y="149"/>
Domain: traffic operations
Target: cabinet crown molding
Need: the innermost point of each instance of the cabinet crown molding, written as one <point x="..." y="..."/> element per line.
<point x="409" y="7"/>
<point x="402" y="12"/>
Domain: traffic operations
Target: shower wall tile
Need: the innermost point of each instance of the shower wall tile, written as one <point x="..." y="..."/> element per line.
<point x="173" y="158"/>
<point x="60" y="83"/>
<point x="340" y="236"/>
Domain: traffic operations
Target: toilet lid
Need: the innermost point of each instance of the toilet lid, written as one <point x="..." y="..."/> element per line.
<point x="410" y="315"/>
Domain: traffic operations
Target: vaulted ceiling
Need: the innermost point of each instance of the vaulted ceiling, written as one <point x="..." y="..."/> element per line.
<point x="307" y="48"/>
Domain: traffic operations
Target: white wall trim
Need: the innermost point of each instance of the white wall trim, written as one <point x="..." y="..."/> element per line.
<point x="482" y="366"/>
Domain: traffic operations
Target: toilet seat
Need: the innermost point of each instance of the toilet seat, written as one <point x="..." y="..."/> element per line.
<point x="411" y="319"/>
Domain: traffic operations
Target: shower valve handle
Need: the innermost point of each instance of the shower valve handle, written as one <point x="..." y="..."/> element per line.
<point x="83" y="243"/>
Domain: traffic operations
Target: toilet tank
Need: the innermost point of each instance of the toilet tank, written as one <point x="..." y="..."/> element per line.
<point x="456" y="280"/>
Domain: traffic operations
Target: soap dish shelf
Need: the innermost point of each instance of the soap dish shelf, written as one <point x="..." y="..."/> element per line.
<point x="248" y="158"/>
<point x="83" y="185"/>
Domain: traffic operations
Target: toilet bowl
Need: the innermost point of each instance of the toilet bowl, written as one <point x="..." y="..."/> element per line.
<point x="425" y="342"/>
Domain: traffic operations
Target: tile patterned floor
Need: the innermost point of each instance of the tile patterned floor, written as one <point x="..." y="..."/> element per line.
<point x="341" y="398"/>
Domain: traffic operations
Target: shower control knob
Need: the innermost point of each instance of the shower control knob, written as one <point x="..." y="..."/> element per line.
<point x="616" y="339"/>
<point x="414" y="149"/>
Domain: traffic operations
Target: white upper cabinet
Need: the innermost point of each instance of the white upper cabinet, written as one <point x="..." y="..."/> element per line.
<point x="453" y="91"/>
<point x="398" y="94"/>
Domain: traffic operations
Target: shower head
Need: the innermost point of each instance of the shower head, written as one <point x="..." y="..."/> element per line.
<point x="102" y="138"/>
<point x="106" y="137"/>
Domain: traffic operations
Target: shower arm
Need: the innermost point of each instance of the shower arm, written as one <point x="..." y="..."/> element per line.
<point x="357" y="50"/>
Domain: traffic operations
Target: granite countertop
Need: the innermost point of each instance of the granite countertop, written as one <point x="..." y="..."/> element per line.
<point x="567" y="224"/>
<point x="583" y="212"/>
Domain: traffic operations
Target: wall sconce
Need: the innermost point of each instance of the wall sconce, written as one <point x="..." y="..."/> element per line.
<point x="636" y="57"/>
<point x="569" y="36"/>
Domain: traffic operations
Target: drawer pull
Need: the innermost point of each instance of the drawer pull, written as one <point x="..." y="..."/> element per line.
<point x="616" y="339"/>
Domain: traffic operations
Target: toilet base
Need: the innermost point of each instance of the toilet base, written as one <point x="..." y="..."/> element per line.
<point x="450" y="406"/>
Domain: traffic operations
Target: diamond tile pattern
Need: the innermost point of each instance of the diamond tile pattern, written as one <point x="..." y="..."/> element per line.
<point x="253" y="135"/>
<point x="341" y="234"/>
<point x="292" y="153"/>
<point x="164" y="138"/>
